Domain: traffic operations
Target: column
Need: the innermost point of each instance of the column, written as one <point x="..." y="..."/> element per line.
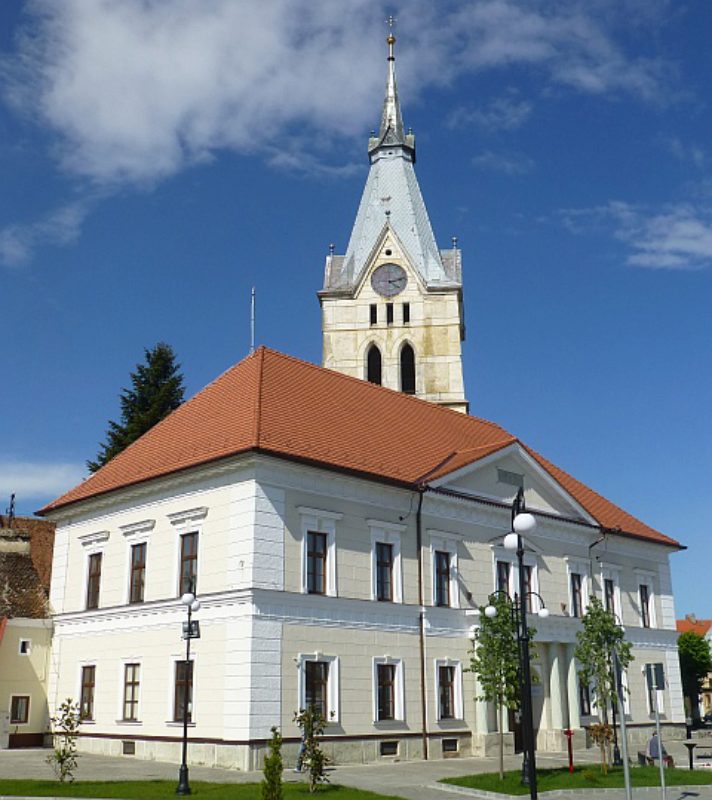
<point x="555" y="687"/>
<point x="572" y="686"/>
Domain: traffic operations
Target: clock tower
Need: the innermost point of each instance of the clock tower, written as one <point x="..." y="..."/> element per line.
<point x="391" y="307"/>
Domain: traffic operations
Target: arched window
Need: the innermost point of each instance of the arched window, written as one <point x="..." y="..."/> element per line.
<point x="373" y="365"/>
<point x="407" y="369"/>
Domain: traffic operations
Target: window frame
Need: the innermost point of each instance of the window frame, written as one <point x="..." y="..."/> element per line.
<point x="402" y="369"/>
<point x="133" y="570"/>
<point x="131" y="694"/>
<point x="188" y="583"/>
<point x="373" y="314"/>
<point x="371" y="347"/>
<point x="82" y="686"/>
<point x="611" y="572"/>
<point x="578" y="566"/>
<point x="398" y="690"/>
<point x="387" y="533"/>
<point x="406" y="313"/>
<point x="175" y="718"/>
<point x="15" y="720"/>
<point x="28" y="650"/>
<point x="444" y="542"/>
<point x="332" y="682"/>
<point x="646" y="578"/>
<point x="93" y="581"/>
<point x="531" y="561"/>
<point x="319" y="521"/>
<point x="191" y="520"/>
<point x="317" y="555"/>
<point x="456" y="690"/>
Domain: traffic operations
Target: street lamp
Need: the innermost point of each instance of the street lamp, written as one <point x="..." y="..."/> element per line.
<point x="523" y="524"/>
<point x="191" y="630"/>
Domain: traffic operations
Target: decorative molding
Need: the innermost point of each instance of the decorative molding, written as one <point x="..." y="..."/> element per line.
<point x="189" y="516"/>
<point x="134" y="528"/>
<point x="319" y="513"/>
<point x="94" y="539"/>
<point x="387" y="526"/>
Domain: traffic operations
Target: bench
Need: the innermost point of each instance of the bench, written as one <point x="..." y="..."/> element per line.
<point x="644" y="760"/>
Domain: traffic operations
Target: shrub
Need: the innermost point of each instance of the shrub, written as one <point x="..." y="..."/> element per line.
<point x="272" y="783"/>
<point x="64" y="758"/>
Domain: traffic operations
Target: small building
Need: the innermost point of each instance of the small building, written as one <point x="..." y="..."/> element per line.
<point x="25" y="629"/>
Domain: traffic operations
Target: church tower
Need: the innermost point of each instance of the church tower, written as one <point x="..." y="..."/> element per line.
<point x="391" y="306"/>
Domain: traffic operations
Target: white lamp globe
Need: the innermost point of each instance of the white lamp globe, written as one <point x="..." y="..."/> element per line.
<point x="490" y="612"/>
<point x="511" y="541"/>
<point x="524" y="523"/>
<point x="195" y="606"/>
<point x="543" y="613"/>
<point x="187" y="598"/>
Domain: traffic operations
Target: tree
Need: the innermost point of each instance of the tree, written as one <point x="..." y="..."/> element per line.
<point x="63" y="759"/>
<point x="312" y="725"/>
<point x="495" y="661"/>
<point x="272" y="783"/>
<point x="156" y="390"/>
<point x="599" y="637"/>
<point x="695" y="663"/>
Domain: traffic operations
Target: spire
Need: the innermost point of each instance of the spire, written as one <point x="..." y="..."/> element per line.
<point x="391" y="131"/>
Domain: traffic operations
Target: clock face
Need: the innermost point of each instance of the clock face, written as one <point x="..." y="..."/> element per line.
<point x="389" y="280"/>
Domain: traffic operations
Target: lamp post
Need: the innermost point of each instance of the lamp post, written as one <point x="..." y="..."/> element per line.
<point x="191" y="630"/>
<point x="523" y="523"/>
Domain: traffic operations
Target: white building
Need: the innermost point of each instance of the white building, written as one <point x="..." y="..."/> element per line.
<point x="339" y="533"/>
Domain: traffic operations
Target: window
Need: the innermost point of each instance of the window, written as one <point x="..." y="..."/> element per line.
<point x="138" y="572"/>
<point x="19" y="709"/>
<point x="528" y="598"/>
<point x="407" y="367"/>
<point x="316" y="562"/>
<point x="576" y="595"/>
<point x="183" y="685"/>
<point x="25" y="647"/>
<point x="316" y="682"/>
<point x="386" y="707"/>
<point x="442" y="578"/>
<point x="503" y="570"/>
<point x="446" y="692"/>
<point x="131" y="687"/>
<point x="94" y="580"/>
<point x="644" y="605"/>
<point x="188" y="563"/>
<point x="374" y="313"/>
<point x="86" y="698"/>
<point x="406" y="313"/>
<point x="373" y="365"/>
<point x="389" y="313"/>
<point x="584" y="699"/>
<point x="384" y="571"/>
<point x="609" y="590"/>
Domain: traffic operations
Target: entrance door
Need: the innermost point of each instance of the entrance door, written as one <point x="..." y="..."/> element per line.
<point x="515" y="725"/>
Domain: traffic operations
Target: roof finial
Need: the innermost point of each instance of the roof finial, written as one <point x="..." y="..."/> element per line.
<point x="391" y="39"/>
<point x="391" y="131"/>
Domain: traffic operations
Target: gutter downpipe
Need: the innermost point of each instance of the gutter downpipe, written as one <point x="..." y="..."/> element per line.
<point x="421" y="620"/>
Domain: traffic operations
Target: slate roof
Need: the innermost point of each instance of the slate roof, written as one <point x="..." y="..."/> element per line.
<point x="273" y="403"/>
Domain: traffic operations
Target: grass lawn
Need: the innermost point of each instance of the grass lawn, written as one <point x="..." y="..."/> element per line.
<point x="158" y="790"/>
<point x="588" y="777"/>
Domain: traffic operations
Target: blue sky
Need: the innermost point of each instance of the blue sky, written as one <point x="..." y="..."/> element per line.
<point x="160" y="158"/>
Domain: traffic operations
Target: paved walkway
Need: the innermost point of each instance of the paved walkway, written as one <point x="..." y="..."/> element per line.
<point x="413" y="780"/>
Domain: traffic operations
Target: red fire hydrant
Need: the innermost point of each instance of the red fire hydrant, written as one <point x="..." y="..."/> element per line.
<point x="569" y="740"/>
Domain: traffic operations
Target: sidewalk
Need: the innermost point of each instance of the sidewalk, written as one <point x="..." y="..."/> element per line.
<point x="413" y="780"/>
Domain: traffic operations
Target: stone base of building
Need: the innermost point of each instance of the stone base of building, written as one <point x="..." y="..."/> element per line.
<point x="249" y="756"/>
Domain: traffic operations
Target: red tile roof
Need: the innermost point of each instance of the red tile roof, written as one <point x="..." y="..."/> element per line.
<point x="273" y="403"/>
<point x="698" y="626"/>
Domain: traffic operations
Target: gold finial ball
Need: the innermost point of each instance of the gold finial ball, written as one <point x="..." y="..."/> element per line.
<point x="391" y="39"/>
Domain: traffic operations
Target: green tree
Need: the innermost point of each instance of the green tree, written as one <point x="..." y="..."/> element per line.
<point x="599" y="637"/>
<point x="494" y="659"/>
<point x="156" y="390"/>
<point x="695" y="663"/>
<point x="65" y="730"/>
<point x="312" y="725"/>
<point x="272" y="783"/>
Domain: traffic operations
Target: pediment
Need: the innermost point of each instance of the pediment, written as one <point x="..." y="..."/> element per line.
<point x="499" y="476"/>
<point x="388" y="249"/>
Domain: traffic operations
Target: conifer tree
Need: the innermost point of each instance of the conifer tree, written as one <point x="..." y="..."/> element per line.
<point x="156" y="390"/>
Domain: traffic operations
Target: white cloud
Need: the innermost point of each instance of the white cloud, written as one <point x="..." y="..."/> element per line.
<point x="508" y="163"/>
<point x="502" y="114"/>
<point x="684" y="151"/>
<point x="38" y="479"/>
<point x="675" y="237"/>
<point x="137" y="89"/>
<point x="60" y="227"/>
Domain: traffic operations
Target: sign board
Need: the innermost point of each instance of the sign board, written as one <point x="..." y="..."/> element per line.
<point x="191" y="630"/>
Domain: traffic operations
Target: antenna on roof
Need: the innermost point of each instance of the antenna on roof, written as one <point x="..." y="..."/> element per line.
<point x="252" y="322"/>
<point x="10" y="511"/>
